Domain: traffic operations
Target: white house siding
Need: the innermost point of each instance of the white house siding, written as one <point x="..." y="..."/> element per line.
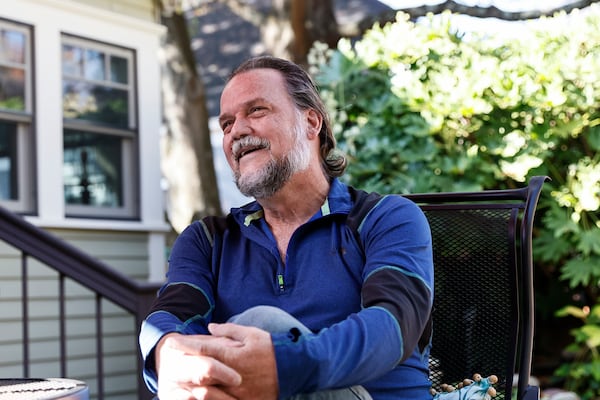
<point x="127" y="252"/>
<point x="118" y="329"/>
<point x="141" y="9"/>
<point x="133" y="247"/>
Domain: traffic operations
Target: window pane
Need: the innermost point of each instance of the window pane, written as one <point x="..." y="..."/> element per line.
<point x="118" y="69"/>
<point x="95" y="103"/>
<point x="72" y="60"/>
<point x="92" y="169"/>
<point x="12" y="46"/>
<point x="8" y="161"/>
<point x="99" y="128"/>
<point x="12" y="88"/>
<point x="94" y="65"/>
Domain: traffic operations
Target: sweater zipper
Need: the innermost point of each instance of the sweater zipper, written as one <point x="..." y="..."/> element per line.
<point x="281" y="274"/>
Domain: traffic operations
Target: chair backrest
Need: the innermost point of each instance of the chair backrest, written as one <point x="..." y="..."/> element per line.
<point x="483" y="303"/>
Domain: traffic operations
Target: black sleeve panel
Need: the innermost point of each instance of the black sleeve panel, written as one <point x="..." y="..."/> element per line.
<point x="407" y="298"/>
<point x="183" y="301"/>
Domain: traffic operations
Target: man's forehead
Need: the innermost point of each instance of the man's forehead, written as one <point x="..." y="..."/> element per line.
<point x="254" y="85"/>
<point x="254" y="80"/>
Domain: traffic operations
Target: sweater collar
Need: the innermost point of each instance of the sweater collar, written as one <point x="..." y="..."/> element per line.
<point x="337" y="202"/>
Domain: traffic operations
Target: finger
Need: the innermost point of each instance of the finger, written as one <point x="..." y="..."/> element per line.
<point x="180" y="369"/>
<point x="211" y="371"/>
<point x="175" y="394"/>
<point x="232" y="331"/>
<point x="195" y="392"/>
<point x="200" y="344"/>
<point x="210" y="393"/>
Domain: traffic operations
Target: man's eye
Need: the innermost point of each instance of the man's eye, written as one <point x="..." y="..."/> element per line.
<point x="226" y="126"/>
<point x="255" y="109"/>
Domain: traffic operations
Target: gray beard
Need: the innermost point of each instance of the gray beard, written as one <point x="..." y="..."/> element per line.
<point x="274" y="175"/>
<point x="266" y="181"/>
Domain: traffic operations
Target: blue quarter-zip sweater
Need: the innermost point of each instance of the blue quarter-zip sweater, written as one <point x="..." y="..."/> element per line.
<point x="368" y="304"/>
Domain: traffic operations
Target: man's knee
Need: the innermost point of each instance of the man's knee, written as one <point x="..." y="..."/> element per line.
<point x="270" y="319"/>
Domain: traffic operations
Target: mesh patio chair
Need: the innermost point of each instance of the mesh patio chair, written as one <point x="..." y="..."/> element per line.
<point x="483" y="305"/>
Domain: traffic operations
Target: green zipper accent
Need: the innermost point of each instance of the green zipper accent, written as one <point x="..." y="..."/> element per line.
<point x="325" y="207"/>
<point x="280" y="282"/>
<point x="254" y="216"/>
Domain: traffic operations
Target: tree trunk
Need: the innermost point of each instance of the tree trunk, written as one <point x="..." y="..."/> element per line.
<point x="186" y="151"/>
<point x="292" y="26"/>
<point x="311" y="21"/>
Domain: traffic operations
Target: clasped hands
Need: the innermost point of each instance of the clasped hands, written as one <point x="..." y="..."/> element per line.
<point x="234" y="362"/>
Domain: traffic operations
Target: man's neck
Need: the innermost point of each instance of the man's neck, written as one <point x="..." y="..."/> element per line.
<point x="292" y="206"/>
<point x="297" y="201"/>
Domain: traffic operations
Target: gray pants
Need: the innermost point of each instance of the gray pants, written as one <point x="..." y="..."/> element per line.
<point x="275" y="320"/>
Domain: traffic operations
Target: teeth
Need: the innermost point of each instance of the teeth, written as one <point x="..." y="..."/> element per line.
<point x="247" y="145"/>
<point x="248" y="151"/>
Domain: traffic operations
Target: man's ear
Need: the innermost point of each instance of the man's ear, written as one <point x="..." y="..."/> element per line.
<point x="314" y="121"/>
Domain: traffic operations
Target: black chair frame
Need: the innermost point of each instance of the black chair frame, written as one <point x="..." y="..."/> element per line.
<point x="483" y="317"/>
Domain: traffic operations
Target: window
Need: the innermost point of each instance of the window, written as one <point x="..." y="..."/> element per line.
<point x="100" y="129"/>
<point x="17" y="164"/>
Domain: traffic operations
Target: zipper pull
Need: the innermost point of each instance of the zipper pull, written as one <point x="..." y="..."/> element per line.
<point x="280" y="282"/>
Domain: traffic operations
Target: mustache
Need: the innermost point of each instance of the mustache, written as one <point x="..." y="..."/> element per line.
<point x="247" y="144"/>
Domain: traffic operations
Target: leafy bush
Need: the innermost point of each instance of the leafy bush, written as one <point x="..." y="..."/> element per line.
<point x="422" y="107"/>
<point x="584" y="371"/>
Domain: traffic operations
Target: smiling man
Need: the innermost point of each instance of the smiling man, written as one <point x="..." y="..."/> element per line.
<point x="286" y="298"/>
<point x="268" y="137"/>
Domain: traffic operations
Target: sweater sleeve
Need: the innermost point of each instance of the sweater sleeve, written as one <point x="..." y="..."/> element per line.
<point x="397" y="298"/>
<point x="185" y="302"/>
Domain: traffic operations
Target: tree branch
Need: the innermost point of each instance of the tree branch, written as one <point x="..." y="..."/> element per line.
<point x="245" y="11"/>
<point x="473" y="11"/>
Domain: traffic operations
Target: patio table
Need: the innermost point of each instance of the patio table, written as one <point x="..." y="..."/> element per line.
<point x="43" y="389"/>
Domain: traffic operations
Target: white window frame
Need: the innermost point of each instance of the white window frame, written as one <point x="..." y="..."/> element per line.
<point x="25" y="202"/>
<point x="129" y="137"/>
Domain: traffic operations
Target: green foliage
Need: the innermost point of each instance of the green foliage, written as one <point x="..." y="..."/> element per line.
<point x="583" y="373"/>
<point x="12" y="103"/>
<point x="421" y="108"/>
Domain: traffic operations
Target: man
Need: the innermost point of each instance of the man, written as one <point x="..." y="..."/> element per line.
<point x="312" y="309"/>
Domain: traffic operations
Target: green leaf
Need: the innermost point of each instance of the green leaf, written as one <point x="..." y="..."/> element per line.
<point x="595" y="313"/>
<point x="576" y="312"/>
<point x="593" y="334"/>
<point x="589" y="242"/>
<point x="560" y="223"/>
<point x="593" y="136"/>
<point x="547" y="248"/>
<point x="580" y="271"/>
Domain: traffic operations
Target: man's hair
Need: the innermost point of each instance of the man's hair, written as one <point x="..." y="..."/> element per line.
<point x="305" y="95"/>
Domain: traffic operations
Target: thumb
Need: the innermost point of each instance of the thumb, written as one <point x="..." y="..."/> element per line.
<point x="230" y="330"/>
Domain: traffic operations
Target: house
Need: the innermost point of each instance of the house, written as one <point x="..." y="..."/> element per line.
<point x="80" y="119"/>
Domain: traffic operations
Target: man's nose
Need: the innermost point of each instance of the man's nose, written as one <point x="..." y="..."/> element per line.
<point x="240" y="128"/>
